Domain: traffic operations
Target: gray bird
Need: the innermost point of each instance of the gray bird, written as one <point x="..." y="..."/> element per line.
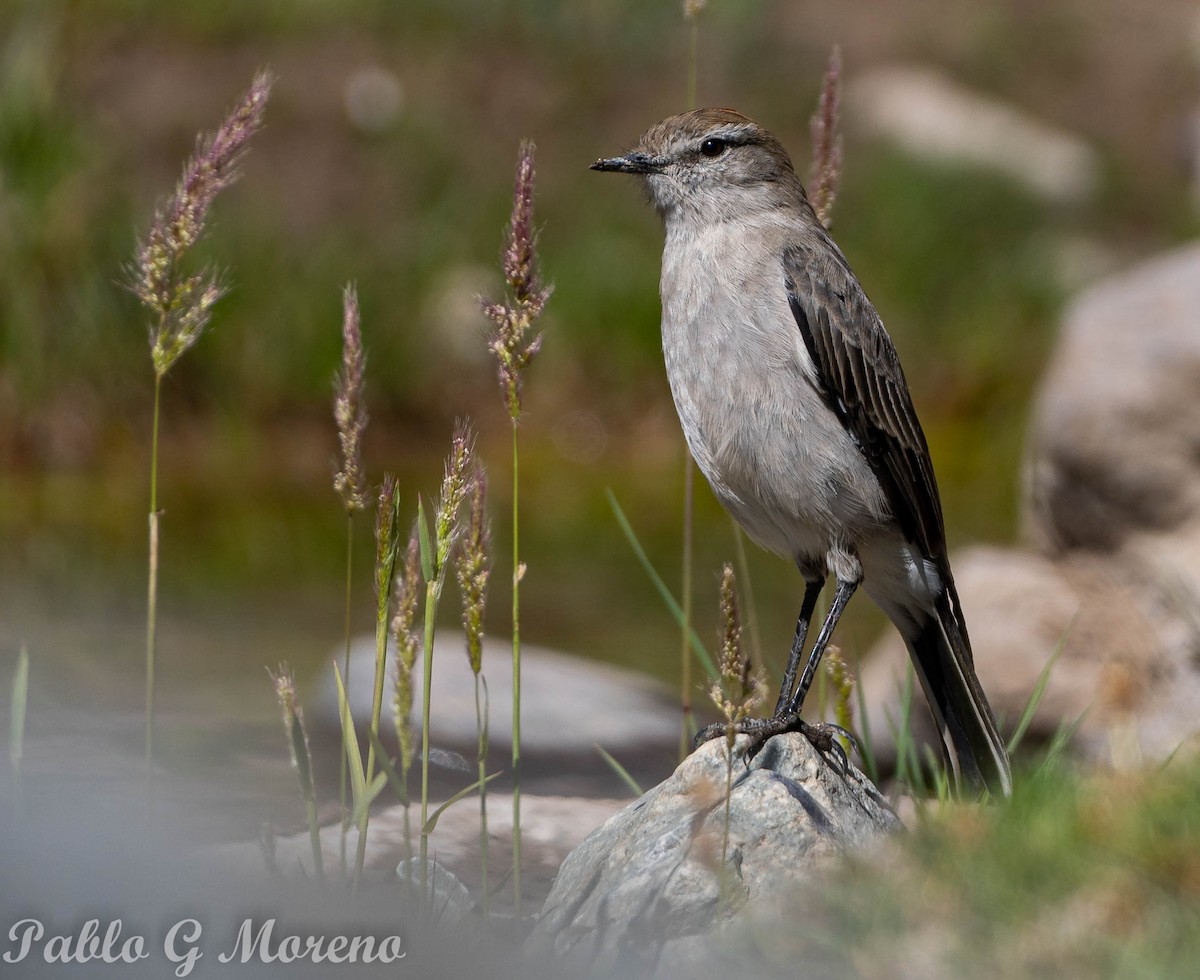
<point x="795" y="408"/>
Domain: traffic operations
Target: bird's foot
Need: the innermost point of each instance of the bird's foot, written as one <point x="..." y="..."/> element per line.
<point x="821" y="735"/>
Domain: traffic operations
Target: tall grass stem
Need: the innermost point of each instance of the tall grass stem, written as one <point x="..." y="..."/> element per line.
<point x="17" y="708"/>
<point x="342" y="781"/>
<point x="481" y="727"/>
<point x="516" y="682"/>
<point x="387" y="549"/>
<point x="426" y="701"/>
<point x="691" y="12"/>
<point x="687" y="721"/>
<point x="152" y="581"/>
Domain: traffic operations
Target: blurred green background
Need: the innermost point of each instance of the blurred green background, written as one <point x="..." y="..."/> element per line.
<point x="388" y="160"/>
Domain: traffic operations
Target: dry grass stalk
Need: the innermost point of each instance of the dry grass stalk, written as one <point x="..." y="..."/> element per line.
<point x="181" y="305"/>
<point x="297" y="739"/>
<point x="826" y="169"/>
<point x="514" y="348"/>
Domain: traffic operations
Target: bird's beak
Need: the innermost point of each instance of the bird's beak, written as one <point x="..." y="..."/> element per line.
<point x="632" y="163"/>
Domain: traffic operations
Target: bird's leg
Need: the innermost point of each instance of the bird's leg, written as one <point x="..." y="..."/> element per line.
<point x="787" y="718"/>
<point x="812" y="591"/>
<point x="845" y="589"/>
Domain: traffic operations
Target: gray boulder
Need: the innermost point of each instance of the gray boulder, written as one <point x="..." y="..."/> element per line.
<point x="569" y="705"/>
<point x="654" y="888"/>
<point x="1114" y="471"/>
<point x="1113" y="447"/>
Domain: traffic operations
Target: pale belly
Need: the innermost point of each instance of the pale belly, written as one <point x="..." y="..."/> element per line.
<point x="777" y="459"/>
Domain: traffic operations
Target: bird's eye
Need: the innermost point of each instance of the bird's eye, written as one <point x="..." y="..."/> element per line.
<point x="713" y="147"/>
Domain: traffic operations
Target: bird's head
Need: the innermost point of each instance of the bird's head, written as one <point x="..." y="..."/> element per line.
<point x="710" y="164"/>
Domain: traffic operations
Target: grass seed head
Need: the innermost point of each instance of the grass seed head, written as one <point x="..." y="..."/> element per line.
<point x="349" y="409"/>
<point x="513" y="319"/>
<point x="181" y="305"/>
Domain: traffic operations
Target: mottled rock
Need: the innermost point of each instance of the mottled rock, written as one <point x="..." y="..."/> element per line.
<point x="1020" y="607"/>
<point x="650" y="889"/>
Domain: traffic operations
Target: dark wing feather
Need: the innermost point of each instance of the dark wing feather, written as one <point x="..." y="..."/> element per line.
<point x="861" y="380"/>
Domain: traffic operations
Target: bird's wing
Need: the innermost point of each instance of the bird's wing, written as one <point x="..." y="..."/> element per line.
<point x="859" y="376"/>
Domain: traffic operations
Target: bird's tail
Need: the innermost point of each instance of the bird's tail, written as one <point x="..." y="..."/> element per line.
<point x="941" y="653"/>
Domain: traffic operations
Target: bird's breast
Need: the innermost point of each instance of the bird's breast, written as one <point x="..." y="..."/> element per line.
<point x="747" y="396"/>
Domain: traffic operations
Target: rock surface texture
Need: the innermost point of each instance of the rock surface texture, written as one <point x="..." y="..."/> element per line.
<point x="650" y="891"/>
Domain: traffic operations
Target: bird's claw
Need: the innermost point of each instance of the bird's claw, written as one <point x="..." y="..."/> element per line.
<point x="820" y="734"/>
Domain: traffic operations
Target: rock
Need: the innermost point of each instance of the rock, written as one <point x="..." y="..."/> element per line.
<point x="932" y="117"/>
<point x="1020" y="607"/>
<point x="1112" y="506"/>
<point x="1113" y="461"/>
<point x="1117" y="421"/>
<point x="648" y="891"/>
<point x="550" y="827"/>
<point x="1114" y="472"/>
<point x="447" y="897"/>
<point x="569" y="705"/>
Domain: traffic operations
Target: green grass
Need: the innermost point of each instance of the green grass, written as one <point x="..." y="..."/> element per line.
<point x="1078" y="875"/>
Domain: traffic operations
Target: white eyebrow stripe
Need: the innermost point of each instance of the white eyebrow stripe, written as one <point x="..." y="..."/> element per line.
<point x="732" y="133"/>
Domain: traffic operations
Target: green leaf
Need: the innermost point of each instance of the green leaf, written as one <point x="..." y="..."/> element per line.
<point x="1062" y="738"/>
<point x="428" y="556"/>
<point x="368" y="797"/>
<point x="358" y="780"/>
<point x="300" y="753"/>
<point x="389" y="769"/>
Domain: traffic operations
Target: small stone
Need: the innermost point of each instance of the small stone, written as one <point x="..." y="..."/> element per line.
<point x="447" y="897"/>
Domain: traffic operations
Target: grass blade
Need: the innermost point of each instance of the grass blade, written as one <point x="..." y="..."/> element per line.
<point x="389" y="770"/>
<point x="466" y="791"/>
<point x="20" y="698"/>
<point x="865" y="746"/>
<point x="620" y="770"/>
<point x="428" y="555"/>
<point x="1039" y="690"/>
<point x="672" y="604"/>
<point x="369" y="794"/>
<point x="358" y="781"/>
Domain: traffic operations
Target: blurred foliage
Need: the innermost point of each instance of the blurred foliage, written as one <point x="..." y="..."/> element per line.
<point x="1077" y="875"/>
